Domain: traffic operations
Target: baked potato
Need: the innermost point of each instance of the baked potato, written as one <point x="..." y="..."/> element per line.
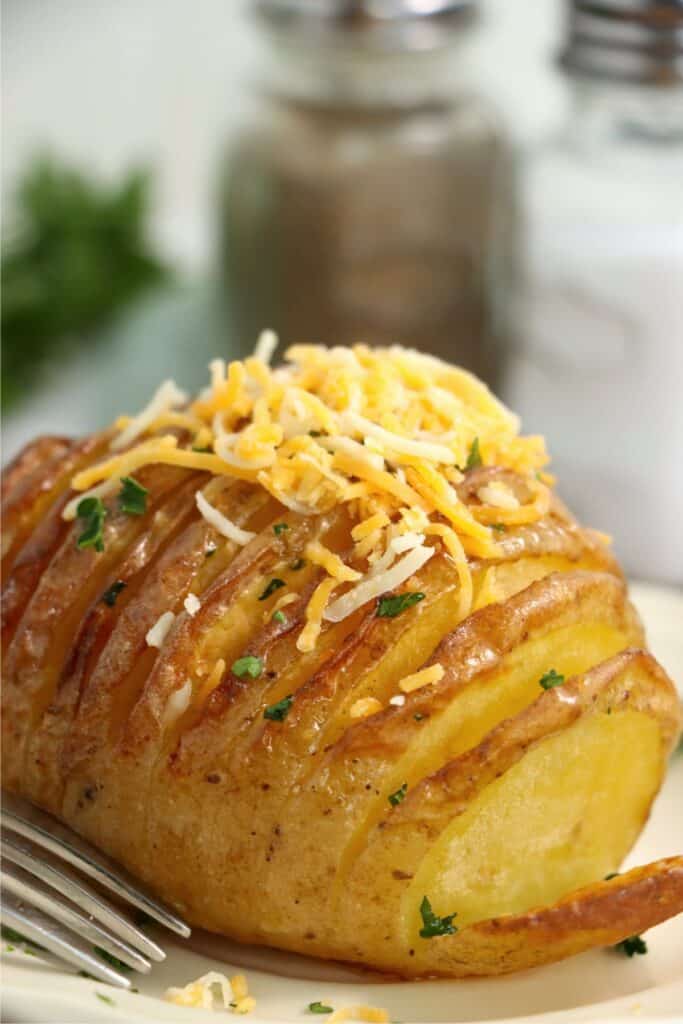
<point x="335" y="670"/>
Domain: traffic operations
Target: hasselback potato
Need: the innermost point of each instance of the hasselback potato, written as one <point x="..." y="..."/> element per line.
<point x="321" y="657"/>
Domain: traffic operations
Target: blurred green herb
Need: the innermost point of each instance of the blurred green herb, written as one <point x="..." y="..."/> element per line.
<point x="75" y="252"/>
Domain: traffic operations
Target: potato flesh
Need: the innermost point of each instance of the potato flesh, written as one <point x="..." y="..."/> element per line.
<point x="563" y="816"/>
<point x="477" y="709"/>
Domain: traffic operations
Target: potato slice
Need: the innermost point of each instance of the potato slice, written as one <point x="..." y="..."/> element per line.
<point x="487" y="836"/>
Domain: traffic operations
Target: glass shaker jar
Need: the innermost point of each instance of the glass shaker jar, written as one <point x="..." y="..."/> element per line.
<point x="601" y="370"/>
<point x="369" y="194"/>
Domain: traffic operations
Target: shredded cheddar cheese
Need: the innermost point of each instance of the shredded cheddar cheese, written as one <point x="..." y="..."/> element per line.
<point x="426" y="676"/>
<point x="213" y="987"/>
<point x="365" y="706"/>
<point x="368" y="1014"/>
<point x="388" y="433"/>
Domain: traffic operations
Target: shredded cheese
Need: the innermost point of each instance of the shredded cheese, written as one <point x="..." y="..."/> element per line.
<point x="374" y="586"/>
<point x="426" y="676"/>
<point x="192" y="604"/>
<point x="332" y="564"/>
<point x="380" y="432"/>
<point x="166" y="397"/>
<point x="314" y="615"/>
<point x="369" y="1014"/>
<point x="365" y="706"/>
<point x="157" y="634"/>
<point x="221" y="523"/>
<point x="178" y="703"/>
<point x="202" y="992"/>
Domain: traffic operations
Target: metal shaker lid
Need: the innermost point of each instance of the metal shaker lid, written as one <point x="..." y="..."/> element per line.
<point x="626" y="40"/>
<point x="372" y="24"/>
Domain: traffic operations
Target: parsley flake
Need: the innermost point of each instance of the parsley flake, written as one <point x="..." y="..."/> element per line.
<point x="105" y="999"/>
<point x="634" y="945"/>
<point x="280" y="617"/>
<point x="499" y="527"/>
<point x="418" y="716"/>
<point x="474" y="456"/>
<point x="612" y="874"/>
<point x="399" y="795"/>
<point x="111" y="593"/>
<point x="550" y="679"/>
<point x="299" y="564"/>
<point x="280" y="528"/>
<point x="249" y="665"/>
<point x="132" y="497"/>
<point x="112" y="960"/>
<point x="390" y="607"/>
<point x="279" y="711"/>
<point x="432" y="924"/>
<point x="319" y="1007"/>
<point x="92" y="512"/>
<point x="207" y="450"/>
<point x="274" y="585"/>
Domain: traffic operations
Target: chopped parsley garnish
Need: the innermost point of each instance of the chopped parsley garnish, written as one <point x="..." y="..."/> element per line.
<point x="432" y="924"/>
<point x="278" y="712"/>
<point x="399" y="795"/>
<point x="634" y="945"/>
<point x="612" y="874"/>
<point x="390" y="607"/>
<point x="105" y="999"/>
<point x="280" y="528"/>
<point x="132" y="497"/>
<point x="274" y="585"/>
<point x="418" y="716"/>
<point x="10" y="935"/>
<point x="280" y="617"/>
<point x="319" y="1007"/>
<point x="92" y="512"/>
<point x="317" y="433"/>
<point x="299" y="564"/>
<point x="499" y="527"/>
<point x="112" y="960"/>
<point x="474" y="456"/>
<point x="207" y="450"/>
<point x="111" y="593"/>
<point x="249" y="665"/>
<point x="550" y="679"/>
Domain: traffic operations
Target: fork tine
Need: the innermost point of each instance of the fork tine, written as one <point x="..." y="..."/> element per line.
<point x="46" y="831"/>
<point x="58" y="876"/>
<point x="33" y="892"/>
<point x="58" y="940"/>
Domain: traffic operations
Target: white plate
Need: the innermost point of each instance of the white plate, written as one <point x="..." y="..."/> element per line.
<point x="601" y="986"/>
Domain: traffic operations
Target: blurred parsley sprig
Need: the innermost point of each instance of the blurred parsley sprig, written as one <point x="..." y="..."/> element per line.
<point x="77" y="253"/>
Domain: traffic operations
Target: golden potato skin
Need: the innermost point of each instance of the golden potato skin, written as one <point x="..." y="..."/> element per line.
<point x="282" y="832"/>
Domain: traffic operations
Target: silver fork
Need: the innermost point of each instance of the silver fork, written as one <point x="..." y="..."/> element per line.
<point x="46" y="899"/>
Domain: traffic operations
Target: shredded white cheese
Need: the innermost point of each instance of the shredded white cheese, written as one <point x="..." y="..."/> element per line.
<point x="201" y="993"/>
<point x="497" y="494"/>
<point x="398" y="701"/>
<point x="192" y="604"/>
<point x="157" y="634"/>
<point x="166" y="397"/>
<point x="221" y="523"/>
<point x="265" y="346"/>
<point x="178" y="703"/>
<point x="373" y="587"/>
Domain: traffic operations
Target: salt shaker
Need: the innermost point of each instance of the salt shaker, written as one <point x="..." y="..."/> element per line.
<point x="600" y="370"/>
